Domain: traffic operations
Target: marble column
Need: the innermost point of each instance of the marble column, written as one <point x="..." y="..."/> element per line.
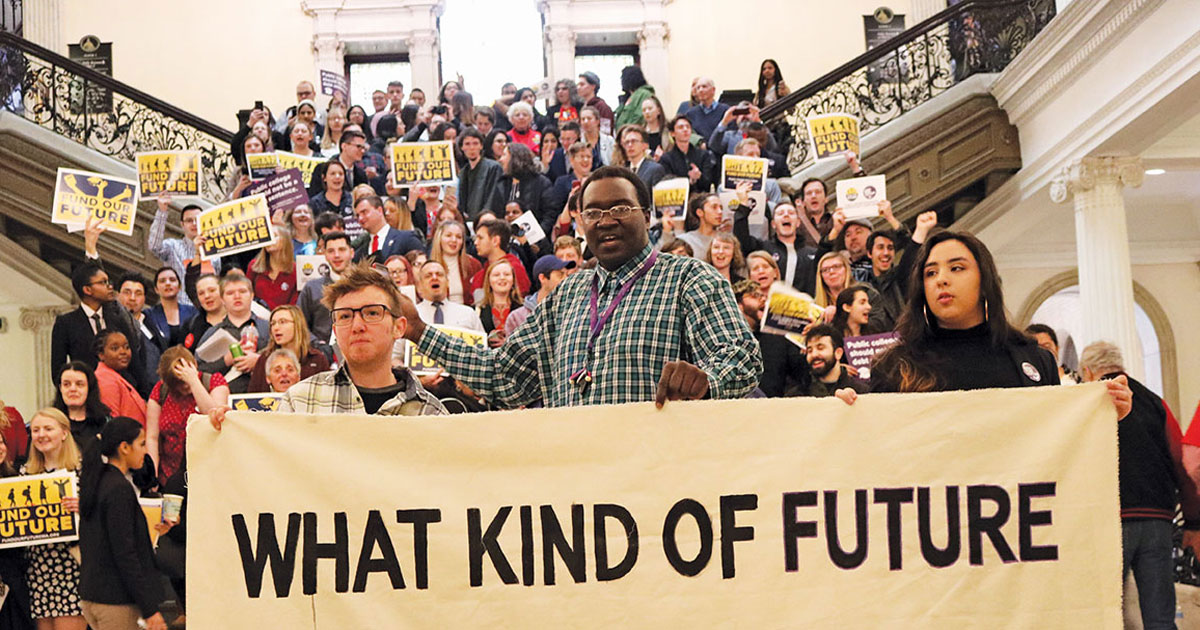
<point x="652" y="44"/>
<point x="1095" y="185"/>
<point x="328" y="54"/>
<point x="42" y="24"/>
<point x="40" y="321"/>
<point x="560" y="45"/>
<point x="423" y="56"/>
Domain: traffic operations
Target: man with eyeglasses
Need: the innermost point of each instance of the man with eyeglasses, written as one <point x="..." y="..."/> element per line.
<point x="305" y="91"/>
<point x="366" y="309"/>
<point x="638" y="327"/>
<point x="74" y="332"/>
<point x="352" y="146"/>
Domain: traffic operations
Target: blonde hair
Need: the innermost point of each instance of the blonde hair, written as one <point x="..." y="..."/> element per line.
<point x="766" y="257"/>
<point x="403" y="213"/>
<point x="327" y="139"/>
<point x="282" y="262"/>
<point x="737" y="264"/>
<point x="5" y="421"/>
<point x="823" y="296"/>
<point x="362" y="190"/>
<point x="435" y="252"/>
<point x="300" y="342"/>
<point x="68" y="457"/>
<point x="514" y="294"/>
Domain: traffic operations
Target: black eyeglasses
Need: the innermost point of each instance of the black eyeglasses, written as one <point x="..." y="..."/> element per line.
<point x="371" y="314"/>
<point x="106" y="282"/>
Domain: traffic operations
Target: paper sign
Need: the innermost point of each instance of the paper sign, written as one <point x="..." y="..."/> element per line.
<point x="284" y="191"/>
<point x="421" y="364"/>
<point x="758" y="207"/>
<point x="861" y="351"/>
<point x="152" y="510"/>
<point x="261" y="165"/>
<point x="31" y="510"/>
<point x="310" y="268"/>
<point x="333" y="83"/>
<point x="237" y="226"/>
<point x="967" y="510"/>
<point x="305" y="164"/>
<point x="255" y="402"/>
<point x="423" y="163"/>
<point x="671" y="197"/>
<point x="789" y="310"/>
<point x="859" y="197"/>
<point x="533" y="231"/>
<point x="174" y="172"/>
<point x="737" y="168"/>
<point x="79" y="195"/>
<point x="830" y="136"/>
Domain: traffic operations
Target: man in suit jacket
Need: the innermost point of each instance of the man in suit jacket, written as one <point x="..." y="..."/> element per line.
<point x="634" y="142"/>
<point x="133" y="289"/>
<point x="74" y="333"/>
<point x="381" y="241"/>
<point x="352" y="146"/>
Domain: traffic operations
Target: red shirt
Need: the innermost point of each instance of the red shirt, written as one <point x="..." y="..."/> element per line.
<point x="16" y="437"/>
<point x="531" y="139"/>
<point x="281" y="290"/>
<point x="172" y="425"/>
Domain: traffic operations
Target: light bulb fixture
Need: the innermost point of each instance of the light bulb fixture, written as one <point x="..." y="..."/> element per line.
<point x="1155" y="171"/>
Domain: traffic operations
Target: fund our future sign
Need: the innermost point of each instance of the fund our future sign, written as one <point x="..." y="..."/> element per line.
<point x="765" y="512"/>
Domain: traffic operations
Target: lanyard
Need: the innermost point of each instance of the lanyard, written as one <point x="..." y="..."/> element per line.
<point x="599" y="321"/>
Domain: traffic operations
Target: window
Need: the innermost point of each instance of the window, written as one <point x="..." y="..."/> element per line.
<point x="607" y="62"/>
<point x="368" y="73"/>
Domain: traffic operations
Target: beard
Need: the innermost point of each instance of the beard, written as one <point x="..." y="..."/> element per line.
<point x="821" y="372"/>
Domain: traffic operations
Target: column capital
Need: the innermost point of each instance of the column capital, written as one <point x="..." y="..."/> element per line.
<point x="560" y="36"/>
<point x="422" y="42"/>
<point x="654" y="34"/>
<point x="1086" y="173"/>
<point x="36" y="319"/>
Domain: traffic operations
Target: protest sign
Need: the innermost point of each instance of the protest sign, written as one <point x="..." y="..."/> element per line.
<point x="758" y="212"/>
<point x="174" y="172"/>
<point x="421" y="364"/>
<point x="309" y="268"/>
<point x="284" y="191"/>
<point x="237" y="226"/>
<point x="79" y="195"/>
<point x="982" y="509"/>
<point x="860" y="352"/>
<point x="671" y="197"/>
<point x="304" y="164"/>
<point x="830" y="136"/>
<point x="736" y="169"/>
<point x="529" y="228"/>
<point x="423" y="163"/>
<point x="859" y="197"/>
<point x="31" y="510"/>
<point x="152" y="509"/>
<point x="261" y="165"/>
<point x="333" y="83"/>
<point x="788" y="310"/>
<point x="254" y="402"/>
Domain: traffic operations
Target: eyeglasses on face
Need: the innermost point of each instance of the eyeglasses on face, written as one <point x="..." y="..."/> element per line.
<point x="371" y="314"/>
<point x="593" y="215"/>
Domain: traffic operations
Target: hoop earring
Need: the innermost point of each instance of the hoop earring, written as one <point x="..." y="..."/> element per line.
<point x="925" y="312"/>
<point x="985" y="310"/>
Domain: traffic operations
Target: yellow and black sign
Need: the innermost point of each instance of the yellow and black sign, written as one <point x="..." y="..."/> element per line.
<point x="174" y="172"/>
<point x="416" y="163"/>
<point x="79" y="195"/>
<point x="237" y="226"/>
<point x="789" y="310"/>
<point x="671" y="196"/>
<point x="304" y="164"/>
<point x="261" y="165"/>
<point x="736" y="169"/>
<point x="255" y="402"/>
<point x="31" y="510"/>
<point x="421" y="364"/>
<point x="832" y="135"/>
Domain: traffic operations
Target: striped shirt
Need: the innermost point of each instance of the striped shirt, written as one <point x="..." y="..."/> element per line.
<point x="682" y="309"/>
<point x="173" y="252"/>
<point x="334" y="392"/>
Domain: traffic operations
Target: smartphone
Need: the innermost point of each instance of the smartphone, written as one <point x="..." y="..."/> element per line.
<point x="258" y="105"/>
<point x="740" y="111"/>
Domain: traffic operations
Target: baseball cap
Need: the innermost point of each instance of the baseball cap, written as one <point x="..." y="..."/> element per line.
<point x="863" y="222"/>
<point x="549" y="263"/>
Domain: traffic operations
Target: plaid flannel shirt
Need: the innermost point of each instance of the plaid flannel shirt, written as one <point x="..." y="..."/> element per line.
<point x="334" y="392"/>
<point x="173" y="252"/>
<point x="681" y="310"/>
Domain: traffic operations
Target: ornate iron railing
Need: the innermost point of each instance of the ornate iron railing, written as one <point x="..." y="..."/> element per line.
<point x="884" y="83"/>
<point x="104" y="114"/>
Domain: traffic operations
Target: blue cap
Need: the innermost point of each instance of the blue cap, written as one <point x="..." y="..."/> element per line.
<point x="549" y="263"/>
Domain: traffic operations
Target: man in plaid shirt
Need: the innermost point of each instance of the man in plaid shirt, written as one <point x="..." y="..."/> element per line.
<point x="640" y="326"/>
<point x="365" y="307"/>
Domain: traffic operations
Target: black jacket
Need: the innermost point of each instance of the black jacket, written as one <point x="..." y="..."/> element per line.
<point x="784" y="367"/>
<point x="354" y="177"/>
<point x="677" y="165"/>
<point x="534" y="193"/>
<point x="1148" y="456"/>
<point x="72" y="338"/>
<point x="806" y="267"/>
<point x="117" y="559"/>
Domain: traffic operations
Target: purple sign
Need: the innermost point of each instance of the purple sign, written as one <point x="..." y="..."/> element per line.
<point x="334" y="83"/>
<point x="285" y="190"/>
<point x="861" y="351"/>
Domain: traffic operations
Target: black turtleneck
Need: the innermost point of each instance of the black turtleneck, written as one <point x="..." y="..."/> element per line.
<point x="969" y="361"/>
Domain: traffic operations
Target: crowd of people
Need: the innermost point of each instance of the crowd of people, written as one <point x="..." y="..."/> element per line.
<point x="616" y="303"/>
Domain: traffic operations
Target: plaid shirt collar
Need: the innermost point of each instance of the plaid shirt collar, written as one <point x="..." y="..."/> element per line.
<point x="610" y="280"/>
<point x="346" y="391"/>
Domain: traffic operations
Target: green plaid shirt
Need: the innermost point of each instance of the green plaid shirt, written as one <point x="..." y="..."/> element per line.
<point x="334" y="392"/>
<point x="682" y="309"/>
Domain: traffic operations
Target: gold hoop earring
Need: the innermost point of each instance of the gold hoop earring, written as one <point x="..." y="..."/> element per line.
<point x="985" y="310"/>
